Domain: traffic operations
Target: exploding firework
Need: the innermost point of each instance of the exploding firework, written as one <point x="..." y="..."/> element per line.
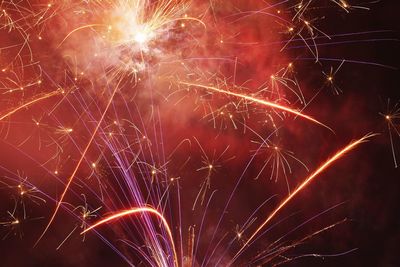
<point x="169" y="127"/>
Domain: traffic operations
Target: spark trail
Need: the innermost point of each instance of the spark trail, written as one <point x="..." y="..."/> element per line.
<point x="303" y="185"/>
<point x="133" y="211"/>
<point x="29" y="103"/>
<point x="71" y="178"/>
<point x="259" y="101"/>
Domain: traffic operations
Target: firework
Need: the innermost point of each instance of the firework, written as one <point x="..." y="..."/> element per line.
<point x="159" y="118"/>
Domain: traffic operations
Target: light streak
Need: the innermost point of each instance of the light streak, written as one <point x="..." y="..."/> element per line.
<point x="303" y="185"/>
<point x="27" y="104"/>
<point x="71" y="178"/>
<point x="78" y="29"/>
<point x="259" y="101"/>
<point x="132" y="211"/>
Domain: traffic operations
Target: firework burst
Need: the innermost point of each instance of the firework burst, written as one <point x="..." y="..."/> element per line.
<point x="153" y="123"/>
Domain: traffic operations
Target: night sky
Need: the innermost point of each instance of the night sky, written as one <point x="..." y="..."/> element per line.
<point x="169" y="134"/>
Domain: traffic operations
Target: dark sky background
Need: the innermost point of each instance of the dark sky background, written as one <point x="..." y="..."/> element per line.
<point x="366" y="180"/>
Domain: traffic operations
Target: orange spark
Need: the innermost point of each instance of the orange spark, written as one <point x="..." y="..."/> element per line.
<point x="78" y="29"/>
<point x="42" y="97"/>
<point x="259" y="101"/>
<point x="79" y="163"/>
<point x="306" y="182"/>
<point x="135" y="211"/>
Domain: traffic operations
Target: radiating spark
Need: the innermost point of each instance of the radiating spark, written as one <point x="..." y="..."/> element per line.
<point x="392" y="116"/>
